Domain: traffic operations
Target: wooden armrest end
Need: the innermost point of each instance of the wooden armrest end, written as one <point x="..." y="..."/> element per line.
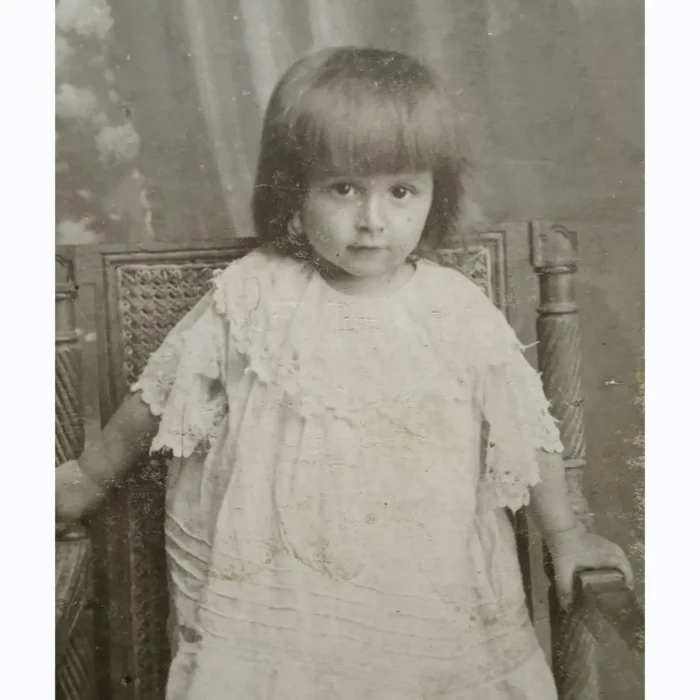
<point x="606" y="600"/>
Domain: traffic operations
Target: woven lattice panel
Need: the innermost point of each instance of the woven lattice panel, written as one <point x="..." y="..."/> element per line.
<point x="152" y="299"/>
<point x="473" y="262"/>
<point x="149" y="587"/>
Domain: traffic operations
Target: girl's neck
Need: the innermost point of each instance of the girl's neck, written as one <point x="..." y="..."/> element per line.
<point x="345" y="283"/>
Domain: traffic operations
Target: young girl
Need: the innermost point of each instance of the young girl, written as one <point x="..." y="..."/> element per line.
<point x="336" y="526"/>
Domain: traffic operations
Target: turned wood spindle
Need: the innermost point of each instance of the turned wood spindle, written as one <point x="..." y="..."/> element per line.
<point x="70" y="433"/>
<point x="74" y="639"/>
<point x="69" y="416"/>
<point x="554" y="250"/>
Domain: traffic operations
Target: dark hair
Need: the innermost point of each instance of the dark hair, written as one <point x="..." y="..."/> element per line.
<point x="360" y="111"/>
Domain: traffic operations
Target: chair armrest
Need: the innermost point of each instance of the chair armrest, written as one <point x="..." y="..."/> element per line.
<point x="600" y="653"/>
<point x="606" y="600"/>
<point x="73" y="587"/>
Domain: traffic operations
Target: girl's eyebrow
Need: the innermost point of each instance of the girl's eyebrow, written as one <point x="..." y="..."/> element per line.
<point x="330" y="182"/>
<point x="334" y="179"/>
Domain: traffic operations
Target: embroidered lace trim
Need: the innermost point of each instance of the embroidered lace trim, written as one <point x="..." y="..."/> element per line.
<point x="182" y="383"/>
<point x="519" y="427"/>
<point x="261" y="335"/>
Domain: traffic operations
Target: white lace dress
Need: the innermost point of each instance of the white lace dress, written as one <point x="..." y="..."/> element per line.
<point x="335" y="519"/>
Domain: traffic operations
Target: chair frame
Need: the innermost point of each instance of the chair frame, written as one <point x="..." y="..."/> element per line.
<point x="516" y="264"/>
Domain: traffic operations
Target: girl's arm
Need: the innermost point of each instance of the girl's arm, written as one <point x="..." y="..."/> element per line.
<point x="571" y="547"/>
<point x="550" y="497"/>
<point x="82" y="484"/>
<point x="125" y="438"/>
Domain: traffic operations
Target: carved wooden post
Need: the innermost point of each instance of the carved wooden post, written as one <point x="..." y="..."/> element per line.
<point x="554" y="256"/>
<point x="70" y="433"/>
<point x="75" y="643"/>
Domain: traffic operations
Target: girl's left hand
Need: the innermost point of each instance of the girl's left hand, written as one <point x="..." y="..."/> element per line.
<point x="575" y="550"/>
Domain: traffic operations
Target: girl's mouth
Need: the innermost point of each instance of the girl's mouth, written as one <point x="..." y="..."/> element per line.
<point x="365" y="248"/>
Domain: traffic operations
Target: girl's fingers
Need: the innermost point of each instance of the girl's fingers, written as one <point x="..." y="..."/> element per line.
<point x="627" y="571"/>
<point x="618" y="560"/>
<point x="600" y="553"/>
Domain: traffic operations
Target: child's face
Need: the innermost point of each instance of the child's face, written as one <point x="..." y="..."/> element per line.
<point x="367" y="226"/>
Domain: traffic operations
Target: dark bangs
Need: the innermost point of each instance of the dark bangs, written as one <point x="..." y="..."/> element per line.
<point x="356" y="112"/>
<point x="372" y="124"/>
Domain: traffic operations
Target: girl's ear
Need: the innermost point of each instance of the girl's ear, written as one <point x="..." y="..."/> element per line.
<point x="294" y="226"/>
<point x="296" y="243"/>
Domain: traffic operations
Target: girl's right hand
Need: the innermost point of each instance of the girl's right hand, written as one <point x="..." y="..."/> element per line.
<point x="76" y="493"/>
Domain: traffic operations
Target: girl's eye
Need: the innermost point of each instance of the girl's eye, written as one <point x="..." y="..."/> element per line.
<point x="400" y="191"/>
<point x="342" y="189"/>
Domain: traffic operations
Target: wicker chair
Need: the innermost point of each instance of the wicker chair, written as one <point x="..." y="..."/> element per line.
<point x="129" y="297"/>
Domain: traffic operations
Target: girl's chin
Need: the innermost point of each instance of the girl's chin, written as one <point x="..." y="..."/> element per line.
<point x="368" y="271"/>
<point x="369" y="263"/>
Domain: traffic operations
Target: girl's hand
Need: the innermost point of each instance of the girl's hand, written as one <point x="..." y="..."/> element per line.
<point x="574" y="550"/>
<point x="76" y="493"/>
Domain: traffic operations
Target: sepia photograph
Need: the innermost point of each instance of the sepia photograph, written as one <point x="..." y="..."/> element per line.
<point x="349" y="349"/>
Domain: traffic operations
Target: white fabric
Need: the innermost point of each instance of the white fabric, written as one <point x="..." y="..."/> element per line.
<point x="331" y="532"/>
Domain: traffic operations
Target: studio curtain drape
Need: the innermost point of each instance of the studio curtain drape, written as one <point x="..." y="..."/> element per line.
<point x="548" y="92"/>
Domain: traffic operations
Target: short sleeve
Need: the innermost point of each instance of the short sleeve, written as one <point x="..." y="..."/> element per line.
<point x="184" y="383"/>
<point x="517" y="420"/>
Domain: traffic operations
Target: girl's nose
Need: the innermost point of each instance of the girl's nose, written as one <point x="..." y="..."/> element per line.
<point x="369" y="214"/>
